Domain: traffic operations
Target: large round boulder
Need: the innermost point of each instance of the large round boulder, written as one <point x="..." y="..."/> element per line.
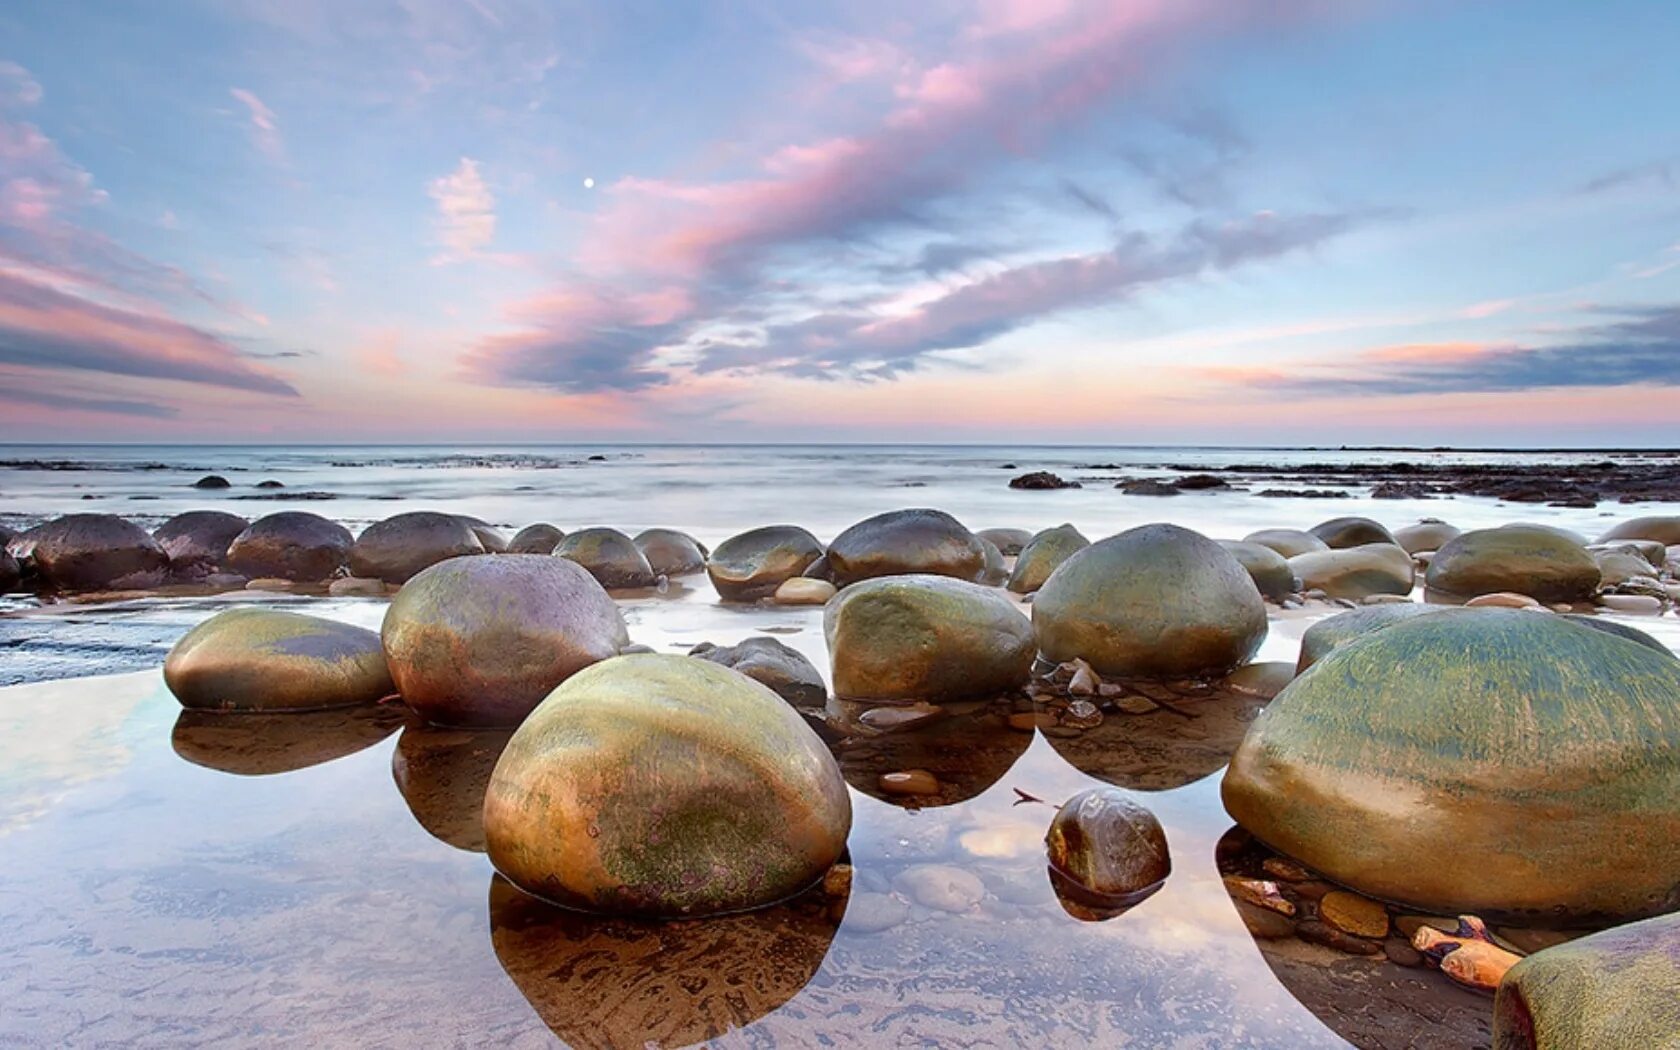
<point x="671" y="553"/>
<point x="925" y="637"/>
<point x="540" y="538"/>
<point x="1333" y="631"/>
<point x="398" y="547"/>
<point x="197" y="542"/>
<point x="1664" y="529"/>
<point x="665" y="786"/>
<point x="769" y="662"/>
<point x="1009" y="542"/>
<point x="1618" y="988"/>
<point x="1157" y="601"/>
<point x="91" y="552"/>
<point x="1268" y="569"/>
<point x="1356" y="572"/>
<point x="1043" y="556"/>
<point x="1338" y="533"/>
<point x="1430" y="534"/>
<point x="1516" y="558"/>
<point x="903" y="542"/>
<point x="272" y="660"/>
<point x="1620" y="630"/>
<point x="750" y="566"/>
<point x="1486" y="761"/>
<point x="291" y="545"/>
<point x="480" y="641"/>
<point x="1287" y="542"/>
<point x="609" y="555"/>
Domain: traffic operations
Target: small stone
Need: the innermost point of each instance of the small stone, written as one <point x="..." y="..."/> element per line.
<point x="270" y="583"/>
<point x="1322" y="933"/>
<point x="1287" y="870"/>
<point x="908" y="716"/>
<point x="837" y="882"/>
<point x="1354" y="914"/>
<point x="1137" y="705"/>
<point x="801" y="590"/>
<point x="1265" y="923"/>
<point x="1503" y="600"/>
<point x="909" y="782"/>
<point x="1084" y="681"/>
<point x="1401" y="954"/>
<point x="1638" y="604"/>
<point x="1082" y="714"/>
<point x="874" y="912"/>
<point x="1409" y="925"/>
<point x="1260" y="892"/>
<point x="356" y="586"/>
<point x="940" y="887"/>
<point x="1468" y="956"/>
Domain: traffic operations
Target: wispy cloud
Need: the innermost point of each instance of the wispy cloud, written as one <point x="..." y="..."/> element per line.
<point x="466" y="208"/>
<point x="264" y="127"/>
<point x="1662" y="173"/>
<point x="13" y="393"/>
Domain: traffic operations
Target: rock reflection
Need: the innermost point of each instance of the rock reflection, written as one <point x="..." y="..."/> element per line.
<point x="1383" y="999"/>
<point x="443" y="774"/>
<point x="1176" y="737"/>
<point x="254" y="745"/>
<point x="612" y="983"/>
<point x="966" y="748"/>
<point x="1087" y="906"/>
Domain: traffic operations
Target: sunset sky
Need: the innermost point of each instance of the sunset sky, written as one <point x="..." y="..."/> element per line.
<point x="1132" y="221"/>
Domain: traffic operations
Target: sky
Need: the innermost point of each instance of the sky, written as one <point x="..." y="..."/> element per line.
<point x="996" y="221"/>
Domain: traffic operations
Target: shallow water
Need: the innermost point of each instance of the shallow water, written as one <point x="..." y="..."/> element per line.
<point x="315" y="880"/>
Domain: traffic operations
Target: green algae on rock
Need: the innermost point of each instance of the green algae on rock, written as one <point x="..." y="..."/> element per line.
<point x="1157" y="601"/>
<point x="272" y="660"/>
<point x="480" y="641"/>
<point x="1516" y="558"/>
<point x="905" y="542"/>
<point x="925" y="637"/>
<point x="1356" y="572"/>
<point x="1341" y="533"/>
<point x="665" y="786"/>
<point x="752" y="564"/>
<point x="1328" y="633"/>
<point x="1618" y="988"/>
<point x="1043" y="555"/>
<point x="1542" y="757"/>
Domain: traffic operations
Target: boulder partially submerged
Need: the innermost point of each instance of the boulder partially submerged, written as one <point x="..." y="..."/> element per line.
<point x="270" y="660"/>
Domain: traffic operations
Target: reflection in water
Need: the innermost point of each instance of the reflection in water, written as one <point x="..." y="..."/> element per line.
<point x="1183" y="739"/>
<point x="1369" y="1000"/>
<point x="967" y="751"/>
<point x="603" y="982"/>
<point x="1088" y="906"/>
<point x="255" y="745"/>
<point x="443" y="774"/>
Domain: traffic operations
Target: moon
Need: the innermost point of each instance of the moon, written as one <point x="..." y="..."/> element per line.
<point x="588" y="184"/>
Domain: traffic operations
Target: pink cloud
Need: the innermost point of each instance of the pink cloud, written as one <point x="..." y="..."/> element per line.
<point x="466" y="212"/>
<point x="264" y="127"/>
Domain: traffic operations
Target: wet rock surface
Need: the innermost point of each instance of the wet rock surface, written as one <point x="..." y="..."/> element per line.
<point x="273" y="660"/>
<point x="1042" y="555"/>
<point x="904" y="542"/>
<point x="752" y="564"/>
<point x="1356" y="572"/>
<point x="671" y="553"/>
<point x="197" y="542"/>
<point x="1519" y="558"/>
<point x="610" y="556"/>
<point x="85" y="552"/>
<point x="291" y="545"/>
<point x="771" y="663"/>
<point x="395" y="549"/>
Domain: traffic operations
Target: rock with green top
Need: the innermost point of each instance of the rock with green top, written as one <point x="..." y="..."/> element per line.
<point x="1043" y="555"/>
<point x="1486" y="761"/>
<point x="1517" y="558"/>
<point x="1340" y="533"/>
<point x="1332" y="631"/>
<point x="925" y="638"/>
<point x="664" y="786"/>
<point x="610" y="556"/>
<point x="272" y="660"/>
<point x="1618" y="988"/>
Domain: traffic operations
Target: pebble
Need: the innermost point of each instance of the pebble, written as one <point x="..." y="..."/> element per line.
<point x="1401" y="954"/>
<point x="940" y="887"/>
<point x="356" y="586"/>
<point x="874" y="912"/>
<point x="1265" y="923"/>
<point x="803" y="591"/>
<point x="1640" y="604"/>
<point x="1351" y="913"/>
<point x="1027" y="721"/>
<point x="1084" y="681"/>
<point x="837" y="882"/>
<point x="1503" y="600"/>
<point x="270" y="583"/>
<point x="1314" y="932"/>
<point x="1137" y="705"/>
<point x="907" y="716"/>
<point x="909" y="782"/>
<point x="1082" y="714"/>
<point x="1260" y="892"/>
<point x="1287" y="870"/>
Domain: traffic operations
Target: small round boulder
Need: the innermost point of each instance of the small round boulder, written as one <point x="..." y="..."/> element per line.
<point x="1287" y="542"/>
<point x="540" y="538"/>
<point x="1338" y="533"/>
<point x="1108" y="845"/>
<point x="88" y="552"/>
<point x="1520" y="558"/>
<point x="664" y="786"/>
<point x="197" y="542"/>
<point x="271" y="660"/>
<point x="1356" y="572"/>
<point x="1333" y="631"/>
<point x="1157" y="601"/>
<point x="904" y="542"/>
<point x="395" y="549"/>
<point x="609" y="555"/>
<point x="1663" y="529"/>
<point x="671" y="553"/>
<point x="1268" y="569"/>
<point x="1430" y="534"/>
<point x="1043" y="555"/>
<point x="480" y="641"/>
<point x="1541" y="758"/>
<point x="752" y="565"/>
<point x="291" y="545"/>
<point x="770" y="662"/>
<point x="1009" y="542"/>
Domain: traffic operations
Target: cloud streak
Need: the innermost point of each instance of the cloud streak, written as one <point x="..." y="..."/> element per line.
<point x="466" y="219"/>
<point x="264" y="127"/>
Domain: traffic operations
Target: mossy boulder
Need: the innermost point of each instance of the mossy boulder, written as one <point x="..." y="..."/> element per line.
<point x="1488" y="761"/>
<point x="1339" y="533"/>
<point x="1157" y="601"/>
<point x="291" y="545"/>
<point x="271" y="660"/>
<point x="197" y="542"/>
<point x="1618" y="988"/>
<point x="1431" y="534"/>
<point x="751" y="565"/>
<point x="671" y="553"/>
<point x="924" y="637"/>
<point x="905" y="542"/>
<point x="1620" y="630"/>
<point x="665" y="786"/>
<point x="398" y="547"/>
<point x="1515" y="558"/>
<point x="1665" y="529"/>
<point x="1043" y="555"/>
<point x="1356" y="572"/>
<point x="540" y="538"/>
<point x="1287" y="542"/>
<point x="1268" y="569"/>
<point x="610" y="556"/>
<point x="480" y="641"/>
<point x="92" y="552"/>
<point x="1325" y="635"/>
